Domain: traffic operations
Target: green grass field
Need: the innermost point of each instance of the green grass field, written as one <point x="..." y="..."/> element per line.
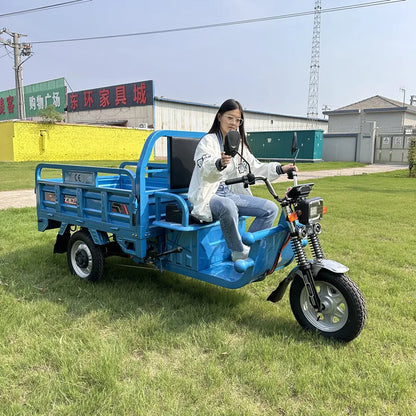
<point x="148" y="343"/>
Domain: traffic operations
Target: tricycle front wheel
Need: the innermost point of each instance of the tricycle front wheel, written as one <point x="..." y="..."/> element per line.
<point x="85" y="258"/>
<point x="344" y="313"/>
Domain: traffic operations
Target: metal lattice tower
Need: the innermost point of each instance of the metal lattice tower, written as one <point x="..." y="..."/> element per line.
<point x="314" y="73"/>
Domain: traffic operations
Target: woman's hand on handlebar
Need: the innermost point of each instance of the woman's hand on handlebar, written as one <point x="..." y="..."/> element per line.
<point x="289" y="167"/>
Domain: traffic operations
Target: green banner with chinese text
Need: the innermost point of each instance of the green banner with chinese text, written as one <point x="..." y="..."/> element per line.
<point x="37" y="97"/>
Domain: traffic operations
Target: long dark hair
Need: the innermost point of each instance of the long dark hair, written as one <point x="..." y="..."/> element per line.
<point x="230" y="105"/>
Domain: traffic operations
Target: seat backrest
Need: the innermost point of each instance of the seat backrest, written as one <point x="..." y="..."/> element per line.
<point x="181" y="163"/>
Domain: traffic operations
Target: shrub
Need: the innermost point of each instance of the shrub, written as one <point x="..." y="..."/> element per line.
<point x="412" y="157"/>
<point x="50" y="115"/>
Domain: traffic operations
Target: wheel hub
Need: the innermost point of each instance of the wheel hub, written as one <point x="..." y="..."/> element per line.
<point x="81" y="258"/>
<point x="334" y="308"/>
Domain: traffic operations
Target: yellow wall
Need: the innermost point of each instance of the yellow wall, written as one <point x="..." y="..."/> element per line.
<point x="6" y="140"/>
<point x="23" y="141"/>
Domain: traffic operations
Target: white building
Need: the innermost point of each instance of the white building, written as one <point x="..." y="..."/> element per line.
<point x="181" y="115"/>
<point x="374" y="130"/>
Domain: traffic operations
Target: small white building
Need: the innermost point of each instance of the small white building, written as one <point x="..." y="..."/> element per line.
<point x="182" y="115"/>
<point x="374" y="130"/>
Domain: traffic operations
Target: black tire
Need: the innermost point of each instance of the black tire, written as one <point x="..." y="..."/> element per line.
<point x="344" y="315"/>
<point x="85" y="258"/>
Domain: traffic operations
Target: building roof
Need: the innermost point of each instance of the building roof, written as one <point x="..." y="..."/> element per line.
<point x="161" y="98"/>
<point x="376" y="103"/>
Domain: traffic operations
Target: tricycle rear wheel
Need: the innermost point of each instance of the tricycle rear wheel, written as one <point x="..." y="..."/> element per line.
<point x="344" y="313"/>
<point x="85" y="258"/>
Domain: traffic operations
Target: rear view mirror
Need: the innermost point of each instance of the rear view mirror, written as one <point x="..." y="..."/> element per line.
<point x="294" y="142"/>
<point x="232" y="142"/>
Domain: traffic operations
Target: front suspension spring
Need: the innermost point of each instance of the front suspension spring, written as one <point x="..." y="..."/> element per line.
<point x="299" y="253"/>
<point x="316" y="247"/>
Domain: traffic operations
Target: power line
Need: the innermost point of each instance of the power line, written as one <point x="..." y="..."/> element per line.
<point x="51" y="6"/>
<point x="7" y="52"/>
<point x="233" y="23"/>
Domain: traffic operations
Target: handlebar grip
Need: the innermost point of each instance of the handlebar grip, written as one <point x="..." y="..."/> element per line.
<point x="233" y="181"/>
<point x="290" y="173"/>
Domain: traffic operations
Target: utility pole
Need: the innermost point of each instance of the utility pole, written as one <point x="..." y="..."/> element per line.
<point x="19" y="49"/>
<point x="312" y="113"/>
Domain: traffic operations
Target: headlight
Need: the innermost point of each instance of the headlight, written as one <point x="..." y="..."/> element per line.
<point x="310" y="210"/>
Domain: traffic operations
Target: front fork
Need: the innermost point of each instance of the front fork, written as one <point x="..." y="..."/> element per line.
<point x="303" y="263"/>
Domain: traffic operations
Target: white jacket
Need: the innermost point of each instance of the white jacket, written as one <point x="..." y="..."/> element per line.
<point x="206" y="177"/>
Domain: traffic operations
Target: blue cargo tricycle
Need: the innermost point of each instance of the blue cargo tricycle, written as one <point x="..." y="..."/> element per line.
<point x="141" y="210"/>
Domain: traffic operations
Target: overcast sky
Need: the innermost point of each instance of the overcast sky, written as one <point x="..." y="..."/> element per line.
<point x="265" y="65"/>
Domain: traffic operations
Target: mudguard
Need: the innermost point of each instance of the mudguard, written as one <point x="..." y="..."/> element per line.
<point x="331" y="265"/>
<point x="317" y="265"/>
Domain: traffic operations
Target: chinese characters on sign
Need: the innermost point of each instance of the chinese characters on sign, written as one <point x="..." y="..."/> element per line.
<point x="10" y="105"/>
<point x="126" y="95"/>
<point x="40" y="102"/>
<point x="37" y="97"/>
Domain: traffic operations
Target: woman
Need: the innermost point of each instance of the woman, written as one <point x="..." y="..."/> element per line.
<point x="212" y="199"/>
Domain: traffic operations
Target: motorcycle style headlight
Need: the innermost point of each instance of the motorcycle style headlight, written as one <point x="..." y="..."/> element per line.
<point x="310" y="210"/>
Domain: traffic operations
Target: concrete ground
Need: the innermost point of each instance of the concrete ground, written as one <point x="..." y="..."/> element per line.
<point x="27" y="198"/>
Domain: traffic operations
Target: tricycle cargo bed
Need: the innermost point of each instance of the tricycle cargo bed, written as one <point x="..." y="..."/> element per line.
<point x="121" y="202"/>
<point x="83" y="195"/>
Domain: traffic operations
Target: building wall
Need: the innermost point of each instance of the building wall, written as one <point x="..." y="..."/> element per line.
<point x="175" y="115"/>
<point x="271" y="122"/>
<point x="171" y="115"/>
<point x="6" y="140"/>
<point x="386" y="122"/>
<point x="24" y="141"/>
<point x="134" y="116"/>
<point x="340" y="147"/>
<point x="344" y="123"/>
<point x="410" y="120"/>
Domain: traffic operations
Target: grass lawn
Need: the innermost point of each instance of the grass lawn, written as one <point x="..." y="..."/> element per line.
<point x="21" y="175"/>
<point x="148" y="343"/>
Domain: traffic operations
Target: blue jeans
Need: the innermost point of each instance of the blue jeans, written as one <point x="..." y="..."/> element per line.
<point x="227" y="206"/>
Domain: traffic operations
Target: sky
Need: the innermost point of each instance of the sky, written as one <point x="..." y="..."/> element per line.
<point x="265" y="65"/>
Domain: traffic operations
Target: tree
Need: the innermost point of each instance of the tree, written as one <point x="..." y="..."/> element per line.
<point x="412" y="157"/>
<point x="50" y="115"/>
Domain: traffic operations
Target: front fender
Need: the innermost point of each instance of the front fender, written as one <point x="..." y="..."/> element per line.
<point x="330" y="265"/>
<point x="317" y="265"/>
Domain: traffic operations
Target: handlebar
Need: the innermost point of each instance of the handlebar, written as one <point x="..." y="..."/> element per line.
<point x="235" y="180"/>
<point x="250" y="179"/>
<point x="292" y="194"/>
<point x="292" y="174"/>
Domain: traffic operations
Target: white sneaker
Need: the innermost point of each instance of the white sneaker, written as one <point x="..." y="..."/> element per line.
<point x="240" y="255"/>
